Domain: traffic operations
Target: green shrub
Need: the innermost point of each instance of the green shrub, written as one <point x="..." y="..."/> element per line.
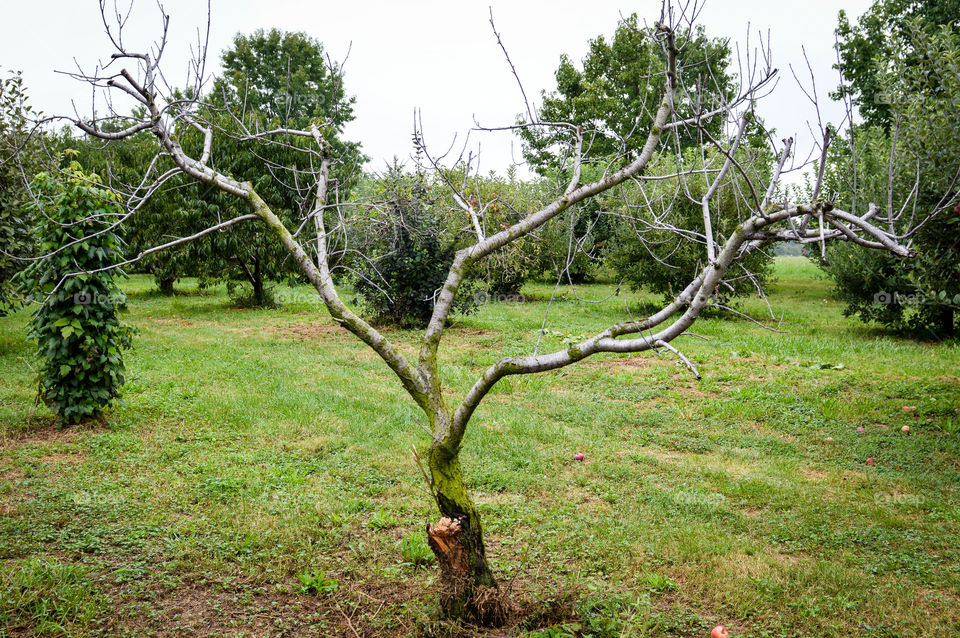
<point x="408" y="261"/>
<point x="79" y="336"/>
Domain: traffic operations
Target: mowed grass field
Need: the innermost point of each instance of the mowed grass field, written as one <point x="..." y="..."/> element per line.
<point x="259" y="479"/>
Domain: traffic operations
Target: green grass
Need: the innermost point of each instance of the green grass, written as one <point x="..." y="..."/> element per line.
<point x="258" y="448"/>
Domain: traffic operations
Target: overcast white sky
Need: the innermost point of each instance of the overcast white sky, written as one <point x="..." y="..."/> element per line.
<point x="440" y="57"/>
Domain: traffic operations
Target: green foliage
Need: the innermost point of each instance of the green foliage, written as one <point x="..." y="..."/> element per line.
<point x="409" y="257"/>
<point x="414" y="550"/>
<point x="664" y="261"/>
<point x="79" y="336"/>
<point x="316" y="582"/>
<point x="658" y="583"/>
<point x="882" y="34"/>
<point x="922" y="88"/>
<point x="19" y="158"/>
<point x="49" y="599"/>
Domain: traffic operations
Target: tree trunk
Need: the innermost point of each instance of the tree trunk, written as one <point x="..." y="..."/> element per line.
<point x="166" y="286"/>
<point x="468" y="588"/>
<point x="945" y="322"/>
<point x="258" y="297"/>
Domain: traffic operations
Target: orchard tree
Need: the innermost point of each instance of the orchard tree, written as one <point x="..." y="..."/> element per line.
<point x="174" y="211"/>
<point x="20" y="160"/>
<point x="79" y="336"/>
<point x="408" y="251"/>
<point x="647" y="249"/>
<point x="469" y="587"/>
<point x="613" y="95"/>
<point x="901" y="157"/>
<point x="271" y="80"/>
<point x="884" y="37"/>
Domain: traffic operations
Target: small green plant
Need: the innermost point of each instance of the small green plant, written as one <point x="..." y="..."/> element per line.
<point x="316" y="582"/>
<point x="78" y="334"/>
<point x="382" y="520"/>
<point x="47" y="598"/>
<point x="415" y="551"/>
<point x="658" y="583"/>
<point x="566" y="630"/>
<point x="950" y="425"/>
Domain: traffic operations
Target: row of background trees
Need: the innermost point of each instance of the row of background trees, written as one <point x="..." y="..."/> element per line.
<point x="905" y="85"/>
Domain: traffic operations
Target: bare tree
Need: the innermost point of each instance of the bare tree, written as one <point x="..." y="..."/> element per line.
<point x="768" y="215"/>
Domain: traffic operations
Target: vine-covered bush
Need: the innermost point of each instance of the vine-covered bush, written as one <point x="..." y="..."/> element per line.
<point x="79" y="336"/>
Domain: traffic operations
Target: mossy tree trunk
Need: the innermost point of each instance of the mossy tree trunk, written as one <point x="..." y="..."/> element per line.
<point x="468" y="589"/>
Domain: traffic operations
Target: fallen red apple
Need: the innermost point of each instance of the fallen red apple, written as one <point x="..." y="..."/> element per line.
<point x="861" y="430"/>
<point x="905" y="429"/>
<point x="909" y="408"/>
<point x="719" y="632"/>
<point x="870" y="461"/>
<point x="579" y="456"/>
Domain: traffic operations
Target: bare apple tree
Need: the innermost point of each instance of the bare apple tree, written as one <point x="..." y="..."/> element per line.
<point x="767" y="215"/>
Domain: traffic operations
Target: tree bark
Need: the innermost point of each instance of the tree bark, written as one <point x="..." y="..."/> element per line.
<point x="166" y="286"/>
<point x="468" y="589"/>
<point x="945" y="322"/>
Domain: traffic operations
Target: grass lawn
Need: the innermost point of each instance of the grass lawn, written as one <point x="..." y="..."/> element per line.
<point x="259" y="480"/>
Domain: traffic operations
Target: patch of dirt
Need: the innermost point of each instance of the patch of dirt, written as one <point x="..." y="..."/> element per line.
<point x="308" y="331"/>
<point x="813" y="475"/>
<point x="470" y="332"/>
<point x="49" y="432"/>
<point x="215" y="609"/>
<point x="663" y="455"/>
<point x="70" y="457"/>
<point x="694" y="392"/>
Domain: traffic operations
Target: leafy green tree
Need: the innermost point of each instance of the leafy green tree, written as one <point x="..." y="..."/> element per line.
<point x="922" y="88"/>
<point x="19" y="157"/>
<point x="882" y="38"/>
<point x="271" y="79"/>
<point x="79" y="336"/>
<point x="613" y="98"/>
<point x="645" y="251"/>
<point x="174" y="211"/>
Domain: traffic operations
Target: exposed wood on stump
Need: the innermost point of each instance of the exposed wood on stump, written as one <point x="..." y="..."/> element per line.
<point x="461" y="594"/>
<point x="450" y="550"/>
